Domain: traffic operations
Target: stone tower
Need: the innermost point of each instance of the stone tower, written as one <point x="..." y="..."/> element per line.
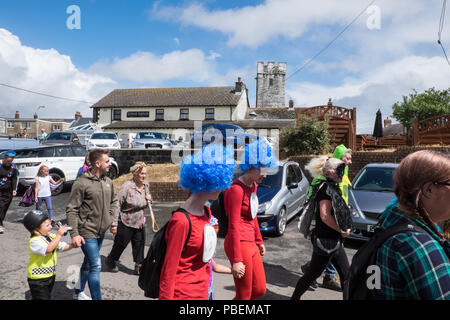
<point x="270" y="85"/>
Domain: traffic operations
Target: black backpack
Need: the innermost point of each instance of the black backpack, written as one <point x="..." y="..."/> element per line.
<point x="357" y="285"/>
<point x="150" y="273"/>
<point x="218" y="210"/>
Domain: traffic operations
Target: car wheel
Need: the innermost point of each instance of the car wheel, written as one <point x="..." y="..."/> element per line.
<point x="56" y="177"/>
<point x="112" y="173"/>
<point x="281" y="222"/>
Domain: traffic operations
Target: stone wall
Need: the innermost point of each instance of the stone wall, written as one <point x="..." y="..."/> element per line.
<point x="168" y="192"/>
<point x="361" y="158"/>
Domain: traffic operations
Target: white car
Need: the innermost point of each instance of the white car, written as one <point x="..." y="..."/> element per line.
<point x="103" y="140"/>
<point x="63" y="161"/>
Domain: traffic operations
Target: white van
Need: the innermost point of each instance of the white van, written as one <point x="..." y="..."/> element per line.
<point x="126" y="139"/>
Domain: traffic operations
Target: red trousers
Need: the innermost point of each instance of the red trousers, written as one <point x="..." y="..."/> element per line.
<point x="253" y="284"/>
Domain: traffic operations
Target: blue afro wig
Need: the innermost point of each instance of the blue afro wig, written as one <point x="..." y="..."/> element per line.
<point x="208" y="170"/>
<point x="258" y="154"/>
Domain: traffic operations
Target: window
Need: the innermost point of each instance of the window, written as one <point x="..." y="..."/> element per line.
<point x="271" y="82"/>
<point x="79" y="151"/>
<point x="26" y="125"/>
<point x="209" y="114"/>
<point x="117" y="115"/>
<point x="56" y="127"/>
<point x="10" y="125"/>
<point x="159" y="114"/>
<point x="138" y="114"/>
<point x="46" y="152"/>
<point x="184" y="114"/>
<point x="291" y="177"/>
<point x="96" y="115"/>
<point x="63" y="151"/>
<point x="298" y="173"/>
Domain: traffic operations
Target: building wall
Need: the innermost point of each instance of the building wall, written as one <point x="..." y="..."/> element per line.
<point x="3" y="126"/>
<point x="270" y="85"/>
<point x="35" y="127"/>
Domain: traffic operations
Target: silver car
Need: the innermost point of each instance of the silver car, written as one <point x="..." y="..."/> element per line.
<point x="151" y="140"/>
<point x="371" y="192"/>
<point x="281" y="196"/>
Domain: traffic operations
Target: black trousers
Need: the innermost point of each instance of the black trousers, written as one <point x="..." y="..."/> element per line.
<point x="41" y="289"/>
<point x="123" y="237"/>
<point x="5" y="200"/>
<point x="318" y="265"/>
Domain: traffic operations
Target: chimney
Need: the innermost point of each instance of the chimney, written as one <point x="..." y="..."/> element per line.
<point x="17" y="116"/>
<point x="35" y="116"/>
<point x="291" y="104"/>
<point x="77" y="115"/>
<point x="239" y="86"/>
<point x="387" y="122"/>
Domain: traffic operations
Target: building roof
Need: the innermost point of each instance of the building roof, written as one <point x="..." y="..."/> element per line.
<point x="168" y="97"/>
<point x="246" y="124"/>
<point x="393" y="129"/>
<point x="272" y="113"/>
<point x="81" y="121"/>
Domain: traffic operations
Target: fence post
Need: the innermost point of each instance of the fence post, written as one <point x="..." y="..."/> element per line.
<point x="416" y="137"/>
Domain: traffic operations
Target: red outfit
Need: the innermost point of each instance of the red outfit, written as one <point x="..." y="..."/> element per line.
<point x="184" y="275"/>
<point x="242" y="239"/>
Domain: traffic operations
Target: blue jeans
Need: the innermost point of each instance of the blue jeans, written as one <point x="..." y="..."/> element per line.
<point x="48" y="204"/>
<point x="92" y="265"/>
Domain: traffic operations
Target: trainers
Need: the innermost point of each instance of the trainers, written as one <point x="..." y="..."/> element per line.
<point x="137" y="269"/>
<point x="332" y="284"/>
<point x="2" y="229"/>
<point x="111" y="265"/>
<point x="81" y="296"/>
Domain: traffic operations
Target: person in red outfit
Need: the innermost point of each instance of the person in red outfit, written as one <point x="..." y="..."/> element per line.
<point x="186" y="269"/>
<point x="244" y="245"/>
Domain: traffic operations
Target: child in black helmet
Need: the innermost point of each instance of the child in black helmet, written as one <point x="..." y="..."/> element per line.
<point x="43" y="247"/>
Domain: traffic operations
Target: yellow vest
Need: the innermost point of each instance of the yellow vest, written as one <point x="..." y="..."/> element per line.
<point x="42" y="267"/>
<point x="344" y="185"/>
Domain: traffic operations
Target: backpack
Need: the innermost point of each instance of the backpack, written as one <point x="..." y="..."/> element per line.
<point x="218" y="210"/>
<point x="357" y="285"/>
<point x="150" y="273"/>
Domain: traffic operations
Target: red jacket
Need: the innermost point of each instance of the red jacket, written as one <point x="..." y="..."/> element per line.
<point x="184" y="275"/>
<point x="241" y="226"/>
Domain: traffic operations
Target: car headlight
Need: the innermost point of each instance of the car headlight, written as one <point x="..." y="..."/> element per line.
<point x="354" y="212"/>
<point x="167" y="144"/>
<point x="263" y="207"/>
<point x="90" y="144"/>
<point x="116" y="144"/>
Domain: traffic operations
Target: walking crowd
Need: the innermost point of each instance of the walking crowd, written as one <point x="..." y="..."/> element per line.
<point x="414" y="264"/>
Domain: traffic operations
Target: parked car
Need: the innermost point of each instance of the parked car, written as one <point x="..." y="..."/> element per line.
<point x="151" y="140"/>
<point x="281" y="196"/>
<point x="372" y="190"/>
<point x="10" y="143"/>
<point x="126" y="139"/>
<point x="207" y="134"/>
<point x="63" y="161"/>
<point x="61" y="137"/>
<point x="103" y="140"/>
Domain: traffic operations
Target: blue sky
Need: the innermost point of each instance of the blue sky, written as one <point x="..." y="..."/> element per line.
<point x="134" y="44"/>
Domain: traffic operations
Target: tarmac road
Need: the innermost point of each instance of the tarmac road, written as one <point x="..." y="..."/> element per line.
<point x="284" y="256"/>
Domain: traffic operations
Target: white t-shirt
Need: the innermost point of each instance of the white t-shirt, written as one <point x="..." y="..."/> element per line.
<point x="43" y="187"/>
<point x="40" y="247"/>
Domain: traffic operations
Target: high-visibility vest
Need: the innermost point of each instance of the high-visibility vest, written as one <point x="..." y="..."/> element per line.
<point x="344" y="185"/>
<point x="42" y="267"/>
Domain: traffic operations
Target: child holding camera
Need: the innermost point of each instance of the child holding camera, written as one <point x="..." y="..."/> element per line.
<point x="43" y="247"/>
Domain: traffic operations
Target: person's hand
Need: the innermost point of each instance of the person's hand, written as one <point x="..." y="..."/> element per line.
<point x="149" y="198"/>
<point x="262" y="250"/>
<point x="346" y="233"/>
<point x="36" y="199"/>
<point x="238" y="270"/>
<point x="14" y="193"/>
<point x="113" y="230"/>
<point x="61" y="180"/>
<point x="62" y="230"/>
<point x="77" y="241"/>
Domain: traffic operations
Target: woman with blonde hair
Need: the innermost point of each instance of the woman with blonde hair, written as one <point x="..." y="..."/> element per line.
<point x="43" y="189"/>
<point x="133" y="196"/>
<point x="415" y="265"/>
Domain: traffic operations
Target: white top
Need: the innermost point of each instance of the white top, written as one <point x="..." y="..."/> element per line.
<point x="39" y="247"/>
<point x="43" y="187"/>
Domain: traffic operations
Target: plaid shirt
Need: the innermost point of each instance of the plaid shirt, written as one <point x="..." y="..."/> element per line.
<point x="132" y="204"/>
<point x="413" y="265"/>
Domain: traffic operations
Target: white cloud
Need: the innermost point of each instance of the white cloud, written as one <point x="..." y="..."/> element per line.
<point x="46" y="71"/>
<point x="147" y="67"/>
<point x="377" y="89"/>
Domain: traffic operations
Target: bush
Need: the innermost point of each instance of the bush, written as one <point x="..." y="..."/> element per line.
<point x="309" y="137"/>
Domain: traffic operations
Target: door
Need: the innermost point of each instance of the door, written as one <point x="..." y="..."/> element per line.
<point x="67" y="162"/>
<point x="292" y="197"/>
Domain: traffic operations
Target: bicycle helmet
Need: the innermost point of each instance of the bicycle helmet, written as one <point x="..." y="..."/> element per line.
<point x="33" y="219"/>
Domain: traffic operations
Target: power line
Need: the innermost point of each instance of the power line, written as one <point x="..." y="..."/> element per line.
<point x="331" y="42"/>
<point x="441" y="27"/>
<point x="44" y="94"/>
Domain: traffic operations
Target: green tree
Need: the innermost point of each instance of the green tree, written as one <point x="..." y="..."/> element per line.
<point x="310" y="136"/>
<point x="424" y="105"/>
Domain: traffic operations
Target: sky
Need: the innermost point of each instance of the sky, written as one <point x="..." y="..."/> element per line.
<point x="83" y="54"/>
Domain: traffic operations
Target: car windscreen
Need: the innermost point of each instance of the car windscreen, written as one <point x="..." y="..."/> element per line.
<point x="150" y="135"/>
<point x="273" y="180"/>
<point x="59" y="136"/>
<point x="375" y="179"/>
<point x="104" y="136"/>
